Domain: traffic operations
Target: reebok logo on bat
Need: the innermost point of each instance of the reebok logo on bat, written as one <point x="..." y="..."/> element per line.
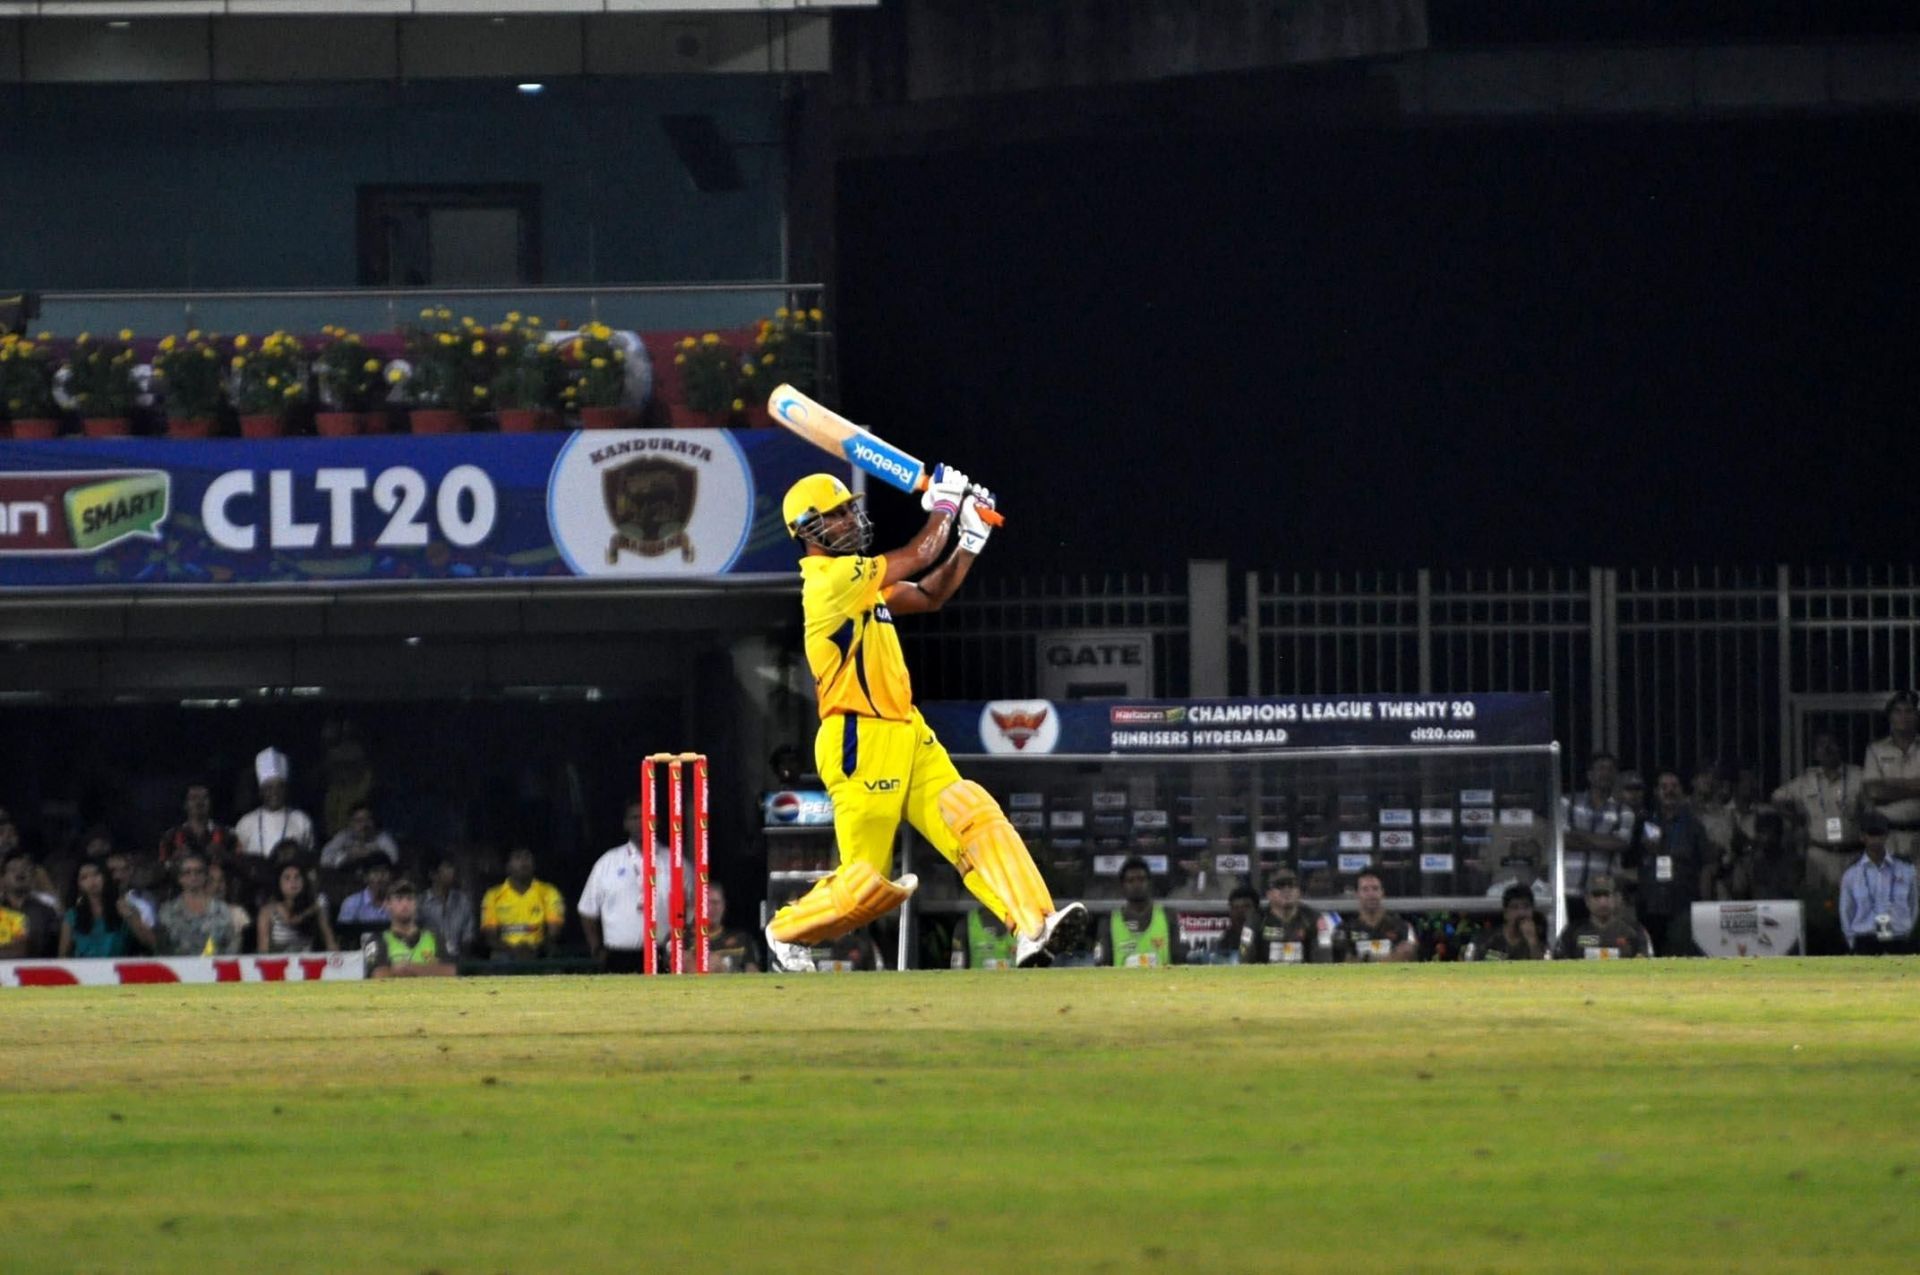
<point x="876" y="458"/>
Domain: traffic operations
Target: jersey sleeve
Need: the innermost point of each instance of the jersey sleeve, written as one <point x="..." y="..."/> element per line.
<point x="490" y="908"/>
<point x="590" y="895"/>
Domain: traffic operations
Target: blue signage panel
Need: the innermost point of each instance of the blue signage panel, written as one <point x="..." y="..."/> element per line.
<point x="634" y="504"/>
<point x="1036" y="726"/>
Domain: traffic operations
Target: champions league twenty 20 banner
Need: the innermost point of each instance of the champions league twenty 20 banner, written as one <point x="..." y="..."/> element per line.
<point x="633" y="504"/>
<point x="1038" y="727"/>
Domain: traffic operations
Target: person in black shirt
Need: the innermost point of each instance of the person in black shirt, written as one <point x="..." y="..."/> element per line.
<point x="1605" y="934"/>
<point x="1373" y="933"/>
<point x="1286" y="932"/>
<point x="1671" y="853"/>
<point x="1517" y="937"/>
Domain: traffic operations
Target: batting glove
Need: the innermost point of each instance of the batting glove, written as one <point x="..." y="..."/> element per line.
<point x="973" y="528"/>
<point x="945" y="490"/>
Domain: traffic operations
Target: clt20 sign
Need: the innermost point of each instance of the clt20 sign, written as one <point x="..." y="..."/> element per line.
<point x="464" y="508"/>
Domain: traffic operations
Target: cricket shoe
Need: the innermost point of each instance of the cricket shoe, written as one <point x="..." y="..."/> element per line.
<point x="788" y="958"/>
<point x="1063" y="932"/>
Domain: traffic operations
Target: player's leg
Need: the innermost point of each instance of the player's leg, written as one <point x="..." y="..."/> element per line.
<point x="933" y="773"/>
<point x="864" y="764"/>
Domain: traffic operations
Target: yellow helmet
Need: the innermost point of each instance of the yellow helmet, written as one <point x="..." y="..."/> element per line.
<point x="814" y="494"/>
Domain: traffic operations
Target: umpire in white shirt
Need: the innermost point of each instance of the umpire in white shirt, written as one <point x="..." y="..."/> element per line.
<point x="610" y="903"/>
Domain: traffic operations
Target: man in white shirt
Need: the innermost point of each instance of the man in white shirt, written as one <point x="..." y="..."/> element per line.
<point x="272" y="821"/>
<point x="359" y="841"/>
<point x="610" y="904"/>
<point x="1891" y="770"/>
<point x="1824" y="802"/>
<point x="1597" y="827"/>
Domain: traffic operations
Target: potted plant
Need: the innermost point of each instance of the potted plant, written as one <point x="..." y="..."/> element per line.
<point x="189" y="373"/>
<point x="452" y="372"/>
<point x="601" y="383"/>
<point x="347" y="375"/>
<point x="528" y="376"/>
<point x="26" y="386"/>
<point x="786" y="351"/>
<point x="709" y="382"/>
<point x="100" y="383"/>
<point x="269" y="381"/>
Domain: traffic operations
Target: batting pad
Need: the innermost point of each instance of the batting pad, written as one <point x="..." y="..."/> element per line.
<point x="854" y="894"/>
<point x="990" y="847"/>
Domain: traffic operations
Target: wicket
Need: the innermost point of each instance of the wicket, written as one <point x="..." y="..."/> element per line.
<point x="676" y="866"/>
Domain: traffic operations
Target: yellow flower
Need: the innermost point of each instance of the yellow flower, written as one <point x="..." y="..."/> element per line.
<point x="240" y="342"/>
<point x="746" y="369"/>
<point x="126" y="334"/>
<point x="679" y="359"/>
<point x="599" y="363"/>
<point x="479" y="391"/>
<point x="371" y="365"/>
<point x="513" y="316"/>
<point x="207" y="351"/>
<point x="479" y="347"/>
<point x="739" y="405"/>
<point x="44" y="336"/>
<point x="780" y="313"/>
<point x="545" y="347"/>
<point x="568" y="392"/>
<point x="533" y="320"/>
<point x="815" y="314"/>
<point x="273" y="382"/>
<point x="446" y="338"/>
<point x="167" y="343"/>
<point x="293" y="391"/>
<point x="500" y="351"/>
<point x="619" y="356"/>
<point x="766" y="360"/>
<point x="82" y="339"/>
<point x="710" y="338"/>
<point x="193" y="335"/>
<point x="395" y="376"/>
<point x="443" y="313"/>
<point x="426" y="314"/>
<point x="239" y="362"/>
<point x="687" y="343"/>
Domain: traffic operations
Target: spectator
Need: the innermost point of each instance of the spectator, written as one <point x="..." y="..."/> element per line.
<point x="446" y="910"/>
<point x="193" y="922"/>
<point x="199" y="831"/>
<point x="1598" y="826"/>
<point x="14" y="935"/>
<point x="729" y="950"/>
<point x="359" y="841"/>
<point x="1242" y="903"/>
<point x="1824" y="804"/>
<point x="1606" y="934"/>
<point x="610" y="903"/>
<point x="219" y="886"/>
<point x="128" y="883"/>
<point x="1139" y="933"/>
<point x="100" y="922"/>
<point x="295" y="918"/>
<point x="521" y="918"/>
<point x="851" y="953"/>
<point x="368" y="907"/>
<point x="273" y="821"/>
<point x="17" y="895"/>
<point x="1375" y="934"/>
<point x="1771" y="868"/>
<point x="1287" y="932"/>
<point x="1877" y="896"/>
<point x="982" y="943"/>
<point x="1671" y="856"/>
<point x="1891" y="772"/>
<point x="1517" y="937"/>
<point x="1713" y="807"/>
<point x="406" y="949"/>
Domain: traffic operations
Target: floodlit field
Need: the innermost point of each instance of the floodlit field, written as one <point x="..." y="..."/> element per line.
<point x="1647" y="1116"/>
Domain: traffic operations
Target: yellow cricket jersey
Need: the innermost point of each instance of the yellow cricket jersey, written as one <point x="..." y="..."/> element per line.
<point x="851" y="644"/>
<point x="525" y="920"/>
<point x="12" y="926"/>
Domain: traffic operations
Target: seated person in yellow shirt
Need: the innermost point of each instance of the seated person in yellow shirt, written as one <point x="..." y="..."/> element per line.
<point x="521" y="918"/>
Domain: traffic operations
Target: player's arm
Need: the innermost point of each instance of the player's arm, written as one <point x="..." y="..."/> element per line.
<point x="1407" y="948"/>
<point x="942" y="503"/>
<point x="931" y="591"/>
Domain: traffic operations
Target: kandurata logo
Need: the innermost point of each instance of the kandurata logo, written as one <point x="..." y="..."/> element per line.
<point x="80" y="512"/>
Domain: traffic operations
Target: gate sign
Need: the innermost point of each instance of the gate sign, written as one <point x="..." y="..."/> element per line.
<point x="632" y="504"/>
<point x="1035" y="727"/>
<point x="1094" y="663"/>
<point x="120" y="971"/>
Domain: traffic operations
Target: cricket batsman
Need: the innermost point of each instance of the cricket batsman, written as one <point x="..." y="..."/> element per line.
<point x="879" y="759"/>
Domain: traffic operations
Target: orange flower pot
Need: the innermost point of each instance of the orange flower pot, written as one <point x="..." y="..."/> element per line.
<point x="189" y="427"/>
<point x="680" y="416"/>
<point x="262" y="425"/>
<point x="525" y="420"/>
<point x="437" y="420"/>
<point x="336" y="424"/>
<point x="609" y="417"/>
<point x="36" y="427"/>
<point x="106" y="426"/>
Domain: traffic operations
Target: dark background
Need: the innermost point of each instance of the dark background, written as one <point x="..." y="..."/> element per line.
<point x="1487" y="345"/>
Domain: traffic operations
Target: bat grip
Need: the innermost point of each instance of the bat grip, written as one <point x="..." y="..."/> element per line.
<point x="992" y="517"/>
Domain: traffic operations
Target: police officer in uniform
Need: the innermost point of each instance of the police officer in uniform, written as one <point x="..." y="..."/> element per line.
<point x="1287" y="932"/>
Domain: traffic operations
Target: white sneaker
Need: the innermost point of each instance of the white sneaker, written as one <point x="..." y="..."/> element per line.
<point x="1064" y="931"/>
<point x="787" y="958"/>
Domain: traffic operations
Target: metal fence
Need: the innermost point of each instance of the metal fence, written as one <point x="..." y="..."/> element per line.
<point x="1665" y="667"/>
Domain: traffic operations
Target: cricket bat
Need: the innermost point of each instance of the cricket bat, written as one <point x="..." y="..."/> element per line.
<point x="832" y="432"/>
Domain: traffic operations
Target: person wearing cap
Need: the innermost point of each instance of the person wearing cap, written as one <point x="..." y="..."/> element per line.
<point x="1877" y="895"/>
<point x="1517" y="937"/>
<point x="1671" y="854"/>
<point x="273" y="820"/>
<point x="1286" y="932"/>
<point x="1824" y="804"/>
<point x="1891" y="775"/>
<point x="1606" y="934"/>
<point x="405" y="949"/>
<point x="1373" y="933"/>
<point x="1140" y="934"/>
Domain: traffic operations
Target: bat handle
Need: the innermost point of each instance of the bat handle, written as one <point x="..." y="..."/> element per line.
<point x="992" y="517"/>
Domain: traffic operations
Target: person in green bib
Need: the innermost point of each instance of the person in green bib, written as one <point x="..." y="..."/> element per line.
<point x="982" y="943"/>
<point x="406" y="949"/>
<point x="1140" y="933"/>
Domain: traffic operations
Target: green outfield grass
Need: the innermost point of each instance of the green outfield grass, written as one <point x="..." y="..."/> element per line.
<point x="1682" y="1116"/>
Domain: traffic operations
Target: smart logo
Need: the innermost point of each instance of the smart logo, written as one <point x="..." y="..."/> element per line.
<point x="880" y="460"/>
<point x="80" y="512"/>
